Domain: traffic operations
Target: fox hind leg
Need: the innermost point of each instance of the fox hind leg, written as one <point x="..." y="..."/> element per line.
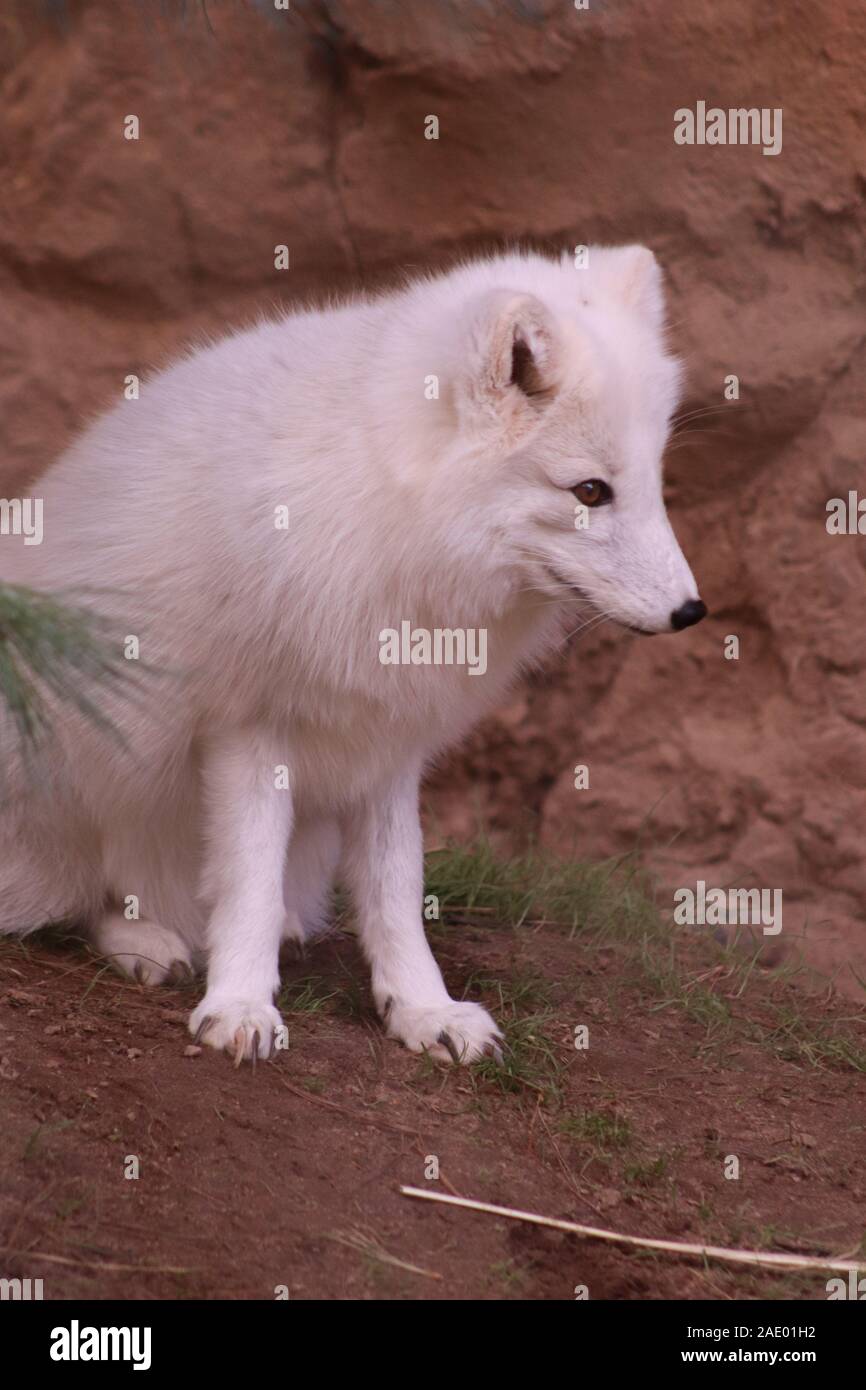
<point x="42" y="881"/>
<point x="143" y="950"/>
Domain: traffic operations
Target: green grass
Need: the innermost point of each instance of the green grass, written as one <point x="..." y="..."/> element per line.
<point x="309" y="995"/>
<point x="611" y="899"/>
<point x="314" y="1084"/>
<point x="36" y="1140"/>
<point x="532" y="1064"/>
<point x="797" y="1039"/>
<point x="509" y="1277"/>
<point x="647" y="1172"/>
<point x="604" y="1130"/>
<point x="612" y="904"/>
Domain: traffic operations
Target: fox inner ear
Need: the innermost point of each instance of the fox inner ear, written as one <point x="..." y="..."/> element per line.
<point x="528" y="349"/>
<point x="527" y="373"/>
<point x="513" y="366"/>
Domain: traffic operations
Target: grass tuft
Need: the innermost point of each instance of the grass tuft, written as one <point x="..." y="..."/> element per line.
<point x="612" y="904"/>
<point x="609" y="899"/>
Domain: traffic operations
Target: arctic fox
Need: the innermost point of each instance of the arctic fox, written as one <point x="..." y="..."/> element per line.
<point x="282" y="522"/>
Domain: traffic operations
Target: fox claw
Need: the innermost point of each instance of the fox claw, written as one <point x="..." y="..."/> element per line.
<point x="448" y="1042"/>
<point x="202" y="1028"/>
<point x="180" y="973"/>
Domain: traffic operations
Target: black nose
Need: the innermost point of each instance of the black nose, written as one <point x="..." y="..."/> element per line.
<point x="688" y="613"/>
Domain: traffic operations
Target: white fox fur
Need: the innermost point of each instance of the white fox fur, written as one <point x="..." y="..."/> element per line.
<point x="262" y="644"/>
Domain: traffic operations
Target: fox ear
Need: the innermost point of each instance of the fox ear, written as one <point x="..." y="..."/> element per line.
<point x="632" y="275"/>
<point x="512" y="366"/>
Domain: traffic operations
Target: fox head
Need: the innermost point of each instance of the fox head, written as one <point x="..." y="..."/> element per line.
<point x="562" y="391"/>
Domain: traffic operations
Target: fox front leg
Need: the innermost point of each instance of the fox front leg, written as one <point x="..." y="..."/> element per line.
<point x="248" y="824"/>
<point x="384" y="866"/>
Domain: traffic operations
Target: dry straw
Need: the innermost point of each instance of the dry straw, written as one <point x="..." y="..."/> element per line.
<point x="672" y="1247"/>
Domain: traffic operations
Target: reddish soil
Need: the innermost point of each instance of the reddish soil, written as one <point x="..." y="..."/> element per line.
<point x="250" y="1180"/>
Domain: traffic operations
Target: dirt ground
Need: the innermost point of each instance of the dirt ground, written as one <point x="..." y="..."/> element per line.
<point x="289" y="1175"/>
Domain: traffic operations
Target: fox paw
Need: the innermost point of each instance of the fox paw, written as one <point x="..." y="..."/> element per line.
<point x="246" y="1029"/>
<point x="146" y="951"/>
<point x="451" y="1032"/>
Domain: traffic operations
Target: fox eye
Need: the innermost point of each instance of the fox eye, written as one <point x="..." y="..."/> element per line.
<point x="593" y="493"/>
